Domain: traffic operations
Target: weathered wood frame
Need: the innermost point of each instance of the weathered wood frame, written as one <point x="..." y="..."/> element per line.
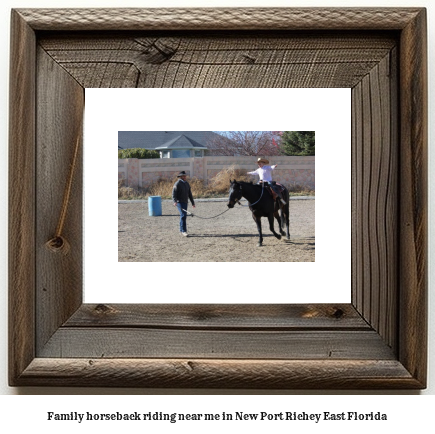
<point x="377" y="341"/>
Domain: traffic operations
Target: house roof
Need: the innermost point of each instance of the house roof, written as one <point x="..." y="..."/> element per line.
<point x="155" y="139"/>
<point x="181" y="142"/>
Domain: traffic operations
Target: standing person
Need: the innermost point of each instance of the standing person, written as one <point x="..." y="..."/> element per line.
<point x="181" y="193"/>
<point x="265" y="173"/>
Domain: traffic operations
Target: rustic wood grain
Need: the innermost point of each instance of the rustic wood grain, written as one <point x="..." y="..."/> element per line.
<point x="236" y="60"/>
<point x="387" y="324"/>
<point x="413" y="195"/>
<point x="220" y="317"/>
<point x="357" y="199"/>
<point x="59" y="277"/>
<point x="376" y="197"/>
<point x="21" y="197"/>
<point x="127" y="342"/>
<point x="392" y="298"/>
<point x="228" y="374"/>
<point x="378" y="342"/>
<point x="220" y="18"/>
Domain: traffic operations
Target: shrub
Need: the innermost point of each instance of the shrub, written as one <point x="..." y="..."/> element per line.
<point x="125" y="192"/>
<point x="140" y="153"/>
<point x="296" y="189"/>
<point x="220" y="183"/>
<point x="163" y="188"/>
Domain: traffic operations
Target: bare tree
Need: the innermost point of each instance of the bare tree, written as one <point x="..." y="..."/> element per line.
<point x="248" y="143"/>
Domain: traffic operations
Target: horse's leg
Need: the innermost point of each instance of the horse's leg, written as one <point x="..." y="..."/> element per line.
<point x="270" y="218"/>
<point x="258" y="223"/>
<point x="279" y="220"/>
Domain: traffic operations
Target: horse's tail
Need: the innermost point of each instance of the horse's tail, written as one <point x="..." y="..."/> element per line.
<point x="287" y="195"/>
<point x="285" y="211"/>
<point x="286" y="207"/>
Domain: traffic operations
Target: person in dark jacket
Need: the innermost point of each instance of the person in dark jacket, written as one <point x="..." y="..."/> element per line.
<point x="181" y="193"/>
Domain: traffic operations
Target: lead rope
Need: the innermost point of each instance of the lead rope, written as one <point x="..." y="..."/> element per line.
<point x="238" y="201"/>
<point x="204" y="218"/>
<point x="58" y="244"/>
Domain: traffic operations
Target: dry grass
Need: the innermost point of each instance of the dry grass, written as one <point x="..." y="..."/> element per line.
<point x="129" y="193"/>
<point x="218" y="186"/>
<point x="220" y="183"/>
<point x="300" y="190"/>
<point x="162" y="187"/>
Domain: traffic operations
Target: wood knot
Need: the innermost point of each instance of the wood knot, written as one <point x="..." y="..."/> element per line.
<point x="102" y="309"/>
<point x="58" y="244"/>
<point x="249" y="59"/>
<point x="189" y="366"/>
<point x="205" y="315"/>
<point x="158" y="51"/>
<point x="338" y="313"/>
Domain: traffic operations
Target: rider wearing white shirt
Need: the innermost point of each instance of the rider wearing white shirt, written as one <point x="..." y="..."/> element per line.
<point x="264" y="171"/>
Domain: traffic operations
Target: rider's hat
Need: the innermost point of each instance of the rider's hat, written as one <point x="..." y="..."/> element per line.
<point x="182" y="173"/>
<point x="262" y="160"/>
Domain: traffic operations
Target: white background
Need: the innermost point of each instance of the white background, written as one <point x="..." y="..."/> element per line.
<point x="27" y="412"/>
<point x="326" y="111"/>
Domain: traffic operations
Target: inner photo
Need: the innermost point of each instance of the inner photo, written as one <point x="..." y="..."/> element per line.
<point x="216" y="196"/>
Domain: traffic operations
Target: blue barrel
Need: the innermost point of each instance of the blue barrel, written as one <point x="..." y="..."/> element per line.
<point x="154" y="206"/>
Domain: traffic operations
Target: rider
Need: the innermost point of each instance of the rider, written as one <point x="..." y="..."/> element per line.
<point x="265" y="173"/>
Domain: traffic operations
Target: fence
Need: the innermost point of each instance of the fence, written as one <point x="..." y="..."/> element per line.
<point x="141" y="173"/>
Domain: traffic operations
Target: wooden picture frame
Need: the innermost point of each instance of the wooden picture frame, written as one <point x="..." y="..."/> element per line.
<point x="376" y="342"/>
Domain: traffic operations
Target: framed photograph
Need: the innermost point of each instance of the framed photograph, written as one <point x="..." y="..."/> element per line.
<point x="377" y="341"/>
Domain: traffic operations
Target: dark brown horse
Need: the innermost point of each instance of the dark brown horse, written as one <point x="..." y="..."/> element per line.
<point x="262" y="204"/>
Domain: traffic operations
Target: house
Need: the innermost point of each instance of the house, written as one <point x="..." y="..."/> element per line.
<point x="181" y="146"/>
<point x="170" y="144"/>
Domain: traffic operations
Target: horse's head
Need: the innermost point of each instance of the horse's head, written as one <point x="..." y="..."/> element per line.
<point x="235" y="193"/>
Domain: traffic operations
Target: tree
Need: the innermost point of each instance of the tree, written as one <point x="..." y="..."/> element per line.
<point x="298" y="142"/>
<point x="246" y="143"/>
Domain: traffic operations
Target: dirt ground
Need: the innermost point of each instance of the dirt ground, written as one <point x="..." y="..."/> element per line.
<point x="230" y="237"/>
